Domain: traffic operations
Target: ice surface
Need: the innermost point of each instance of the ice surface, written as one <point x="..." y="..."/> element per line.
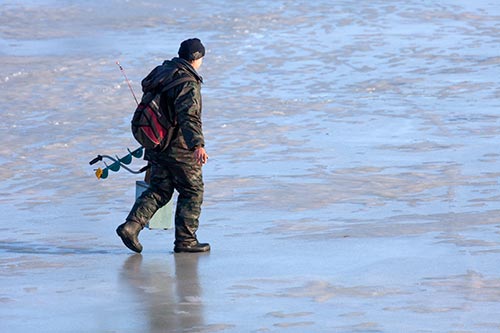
<point x="352" y="184"/>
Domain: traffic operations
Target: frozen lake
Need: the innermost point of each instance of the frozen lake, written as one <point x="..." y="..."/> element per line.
<point x="352" y="186"/>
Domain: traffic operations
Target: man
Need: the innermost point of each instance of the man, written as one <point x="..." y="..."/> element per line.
<point x="178" y="166"/>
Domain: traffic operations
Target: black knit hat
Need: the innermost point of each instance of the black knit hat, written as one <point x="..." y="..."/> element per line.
<point x="191" y="49"/>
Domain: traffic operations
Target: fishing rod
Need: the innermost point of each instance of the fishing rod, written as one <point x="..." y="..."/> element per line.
<point x="128" y="81"/>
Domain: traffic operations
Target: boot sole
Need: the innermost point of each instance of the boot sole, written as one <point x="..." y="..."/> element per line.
<point x="191" y="249"/>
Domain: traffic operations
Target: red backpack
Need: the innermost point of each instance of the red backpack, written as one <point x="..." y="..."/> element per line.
<point x="150" y="127"/>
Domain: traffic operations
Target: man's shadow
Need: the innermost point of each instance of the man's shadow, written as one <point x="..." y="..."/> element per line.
<point x="169" y="303"/>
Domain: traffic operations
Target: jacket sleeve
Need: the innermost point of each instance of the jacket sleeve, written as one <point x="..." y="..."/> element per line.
<point x="187" y="107"/>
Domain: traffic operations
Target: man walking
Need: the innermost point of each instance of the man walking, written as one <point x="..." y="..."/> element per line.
<point x="179" y="165"/>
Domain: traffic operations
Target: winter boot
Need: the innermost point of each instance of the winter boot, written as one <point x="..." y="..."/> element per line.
<point x="128" y="232"/>
<point x="196" y="247"/>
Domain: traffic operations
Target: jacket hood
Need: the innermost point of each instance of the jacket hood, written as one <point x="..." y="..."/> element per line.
<point x="184" y="64"/>
<point x="166" y="72"/>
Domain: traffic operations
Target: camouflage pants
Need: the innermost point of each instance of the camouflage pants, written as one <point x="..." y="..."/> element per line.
<point x="165" y="177"/>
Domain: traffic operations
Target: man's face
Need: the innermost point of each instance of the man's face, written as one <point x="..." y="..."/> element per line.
<point x="197" y="63"/>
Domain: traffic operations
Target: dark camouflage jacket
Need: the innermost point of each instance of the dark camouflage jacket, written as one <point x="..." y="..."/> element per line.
<point x="182" y="104"/>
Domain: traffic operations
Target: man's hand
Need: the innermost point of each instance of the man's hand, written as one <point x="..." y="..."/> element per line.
<point x="200" y="155"/>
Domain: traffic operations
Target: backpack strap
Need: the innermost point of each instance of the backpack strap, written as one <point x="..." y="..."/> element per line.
<point x="177" y="82"/>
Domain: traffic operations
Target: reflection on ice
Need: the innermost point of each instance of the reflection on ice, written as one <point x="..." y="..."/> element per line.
<point x="167" y="303"/>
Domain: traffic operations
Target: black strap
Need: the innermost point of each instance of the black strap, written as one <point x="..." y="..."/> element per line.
<point x="177" y="82"/>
